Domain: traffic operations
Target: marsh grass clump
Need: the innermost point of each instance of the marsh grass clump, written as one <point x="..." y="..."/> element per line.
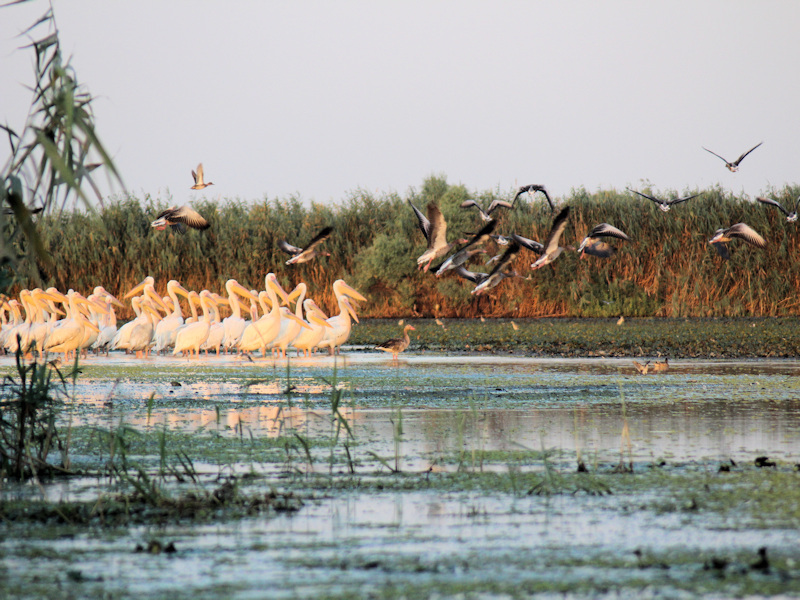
<point x="29" y="405"/>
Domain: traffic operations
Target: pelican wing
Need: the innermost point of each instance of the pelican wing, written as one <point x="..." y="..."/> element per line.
<point x="559" y="225"/>
<point x="738" y="160"/>
<point x="288" y="248"/>
<point x="744" y="232"/>
<point x="424" y="224"/>
<point x="774" y="203"/>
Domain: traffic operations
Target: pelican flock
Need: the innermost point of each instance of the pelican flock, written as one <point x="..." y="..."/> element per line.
<point x="272" y="321"/>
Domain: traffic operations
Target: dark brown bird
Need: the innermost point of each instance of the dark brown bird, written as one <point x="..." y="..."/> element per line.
<point x="178" y="218"/>
<point x="301" y="255"/>
<point x="733" y="166"/>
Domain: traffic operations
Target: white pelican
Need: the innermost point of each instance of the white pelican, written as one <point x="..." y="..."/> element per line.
<point x="68" y="335"/>
<point x="258" y="334"/>
<point x="167" y="328"/>
<point x="19" y="334"/>
<point x="142" y="334"/>
<point x="291" y="324"/>
<point x="215" y="333"/>
<point x="233" y="326"/>
<point x="340" y="324"/>
<point x="108" y="328"/>
<point x="95" y="312"/>
<point x="301" y="255"/>
<point x="309" y="337"/>
<point x="16" y="319"/>
<point x="397" y="345"/>
<point x="734" y="165"/>
<point x="192" y="336"/>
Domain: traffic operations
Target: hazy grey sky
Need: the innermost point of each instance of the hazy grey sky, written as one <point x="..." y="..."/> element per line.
<point x="321" y="98"/>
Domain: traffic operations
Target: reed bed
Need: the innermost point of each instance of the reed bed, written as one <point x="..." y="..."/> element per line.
<point x="666" y="270"/>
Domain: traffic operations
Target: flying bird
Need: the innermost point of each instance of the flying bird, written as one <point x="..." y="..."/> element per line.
<point x="434" y="228"/>
<point x="486" y="215"/>
<point x="487" y="281"/>
<point x="468" y="250"/>
<point x="741" y="231"/>
<point x="301" y="255"/>
<point x="552" y="250"/>
<point x="791" y="217"/>
<point x="641" y="368"/>
<point x="665" y="205"/>
<point x="199" y="184"/>
<point x="178" y="218"/>
<point x="733" y="166"/>
<point x="592" y="245"/>
<point x="531" y="189"/>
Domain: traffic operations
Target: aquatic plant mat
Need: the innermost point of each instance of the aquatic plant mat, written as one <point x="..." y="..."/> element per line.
<point x="441" y="476"/>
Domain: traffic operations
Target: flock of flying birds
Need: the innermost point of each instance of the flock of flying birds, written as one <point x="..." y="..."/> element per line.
<point x="89" y="321"/>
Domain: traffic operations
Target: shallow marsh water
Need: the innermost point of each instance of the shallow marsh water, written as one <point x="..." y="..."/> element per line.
<point x="479" y="436"/>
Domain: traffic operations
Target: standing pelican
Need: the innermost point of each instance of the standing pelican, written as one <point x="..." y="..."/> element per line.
<point x="397" y="345"/>
<point x="434" y="228"/>
<point x="167" y="328"/>
<point x="234" y="325"/>
<point x="592" y="245"/>
<point x="733" y="166"/>
<point x="309" y="337"/>
<point x="791" y="217"/>
<point x="192" y="336"/>
<point x="68" y="336"/>
<point x="258" y="334"/>
<point x="199" y="184"/>
<point x="291" y="324"/>
<point x="741" y="231"/>
<point x="301" y="255"/>
<point x="340" y="324"/>
<point x="142" y="334"/>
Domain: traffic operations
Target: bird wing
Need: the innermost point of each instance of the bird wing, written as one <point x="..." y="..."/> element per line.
<point x="496" y="204"/>
<point x="559" y="225"/>
<point x="438" y="233"/>
<point x="531" y="245"/>
<point x="715" y="154"/>
<point x="738" y="160"/>
<point x="468" y="203"/>
<point x="774" y="203"/>
<point x="167" y="213"/>
<point x="481" y="237"/>
<point x="323" y="235"/>
<point x="474" y="277"/>
<point x="535" y="187"/>
<point x="508" y="256"/>
<point x="179" y="227"/>
<point x="679" y="200"/>
<point x="424" y="224"/>
<point x="744" y="232"/>
<point x="651" y="198"/>
<point x="288" y="248"/>
<point x="188" y="216"/>
<point x="606" y="230"/>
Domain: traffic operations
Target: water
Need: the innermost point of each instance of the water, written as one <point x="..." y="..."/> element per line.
<point x="449" y="531"/>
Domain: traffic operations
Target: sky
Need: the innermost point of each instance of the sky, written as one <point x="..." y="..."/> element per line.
<point x="319" y="99"/>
